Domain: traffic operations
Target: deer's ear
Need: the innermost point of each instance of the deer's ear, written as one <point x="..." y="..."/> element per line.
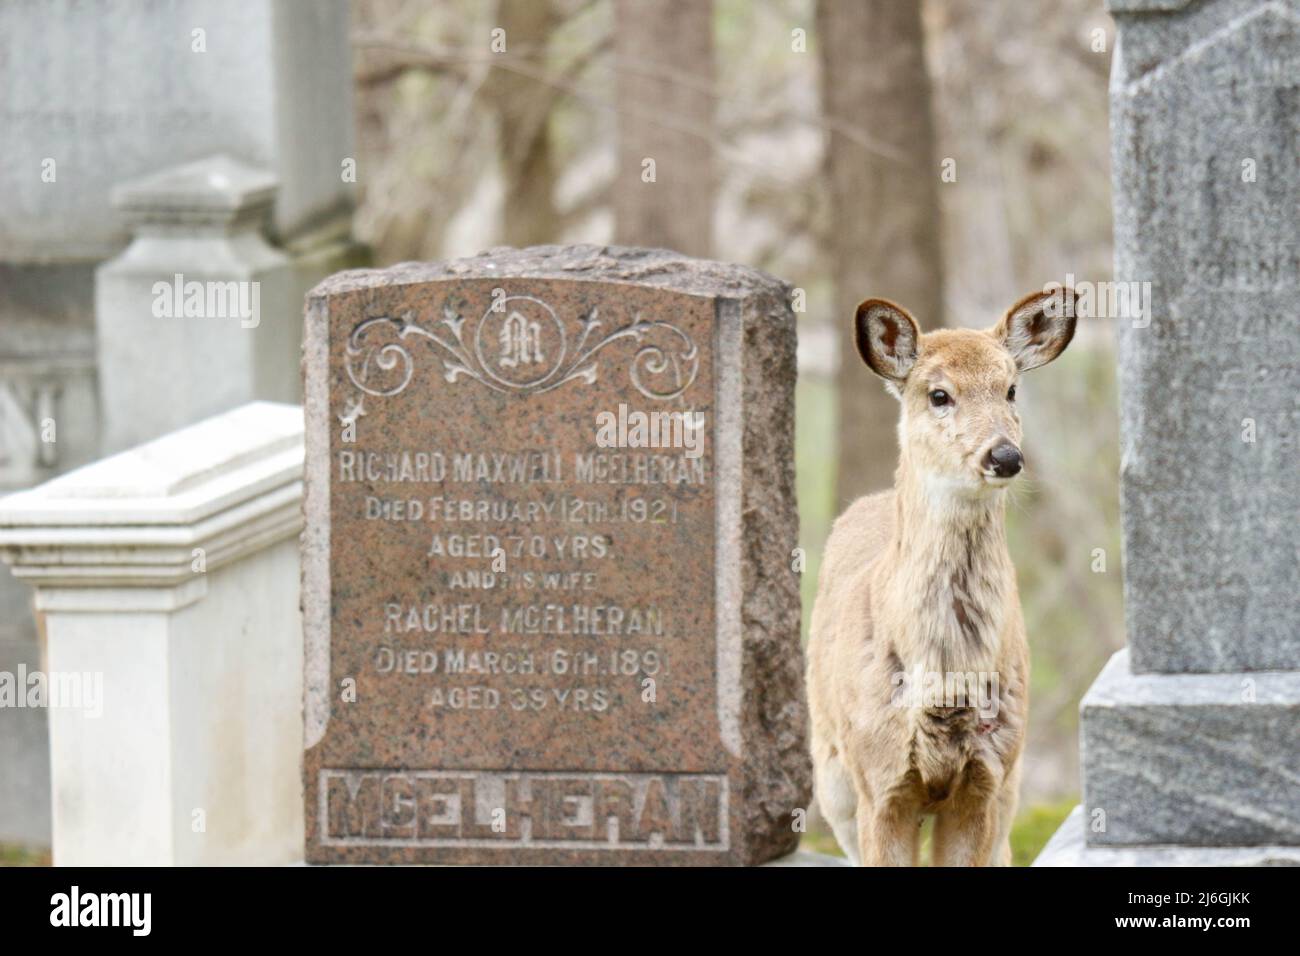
<point x="887" y="338"/>
<point x="1038" y="328"/>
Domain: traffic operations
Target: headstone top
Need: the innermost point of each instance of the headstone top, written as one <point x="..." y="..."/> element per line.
<point x="1158" y="36"/>
<point x="1145" y="6"/>
<point x="596" y="263"/>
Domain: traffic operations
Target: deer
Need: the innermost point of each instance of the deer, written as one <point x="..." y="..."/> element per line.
<point x="918" y="664"/>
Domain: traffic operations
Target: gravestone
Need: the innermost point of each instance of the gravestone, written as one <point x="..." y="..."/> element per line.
<point x="534" y="632"/>
<point x="1191" y="736"/>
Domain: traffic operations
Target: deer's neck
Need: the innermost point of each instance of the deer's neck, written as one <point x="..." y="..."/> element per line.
<point x="947" y="575"/>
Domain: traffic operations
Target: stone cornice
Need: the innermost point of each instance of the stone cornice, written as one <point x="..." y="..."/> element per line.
<point x="229" y="485"/>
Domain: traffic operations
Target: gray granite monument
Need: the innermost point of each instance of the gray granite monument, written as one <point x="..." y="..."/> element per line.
<point x="1191" y="736"/>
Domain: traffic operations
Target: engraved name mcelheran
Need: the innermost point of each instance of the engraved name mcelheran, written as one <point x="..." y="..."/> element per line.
<point x="527" y="467"/>
<point x="570" y="810"/>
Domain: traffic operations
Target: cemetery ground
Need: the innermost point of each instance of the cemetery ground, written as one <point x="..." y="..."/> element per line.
<point x="1034" y="826"/>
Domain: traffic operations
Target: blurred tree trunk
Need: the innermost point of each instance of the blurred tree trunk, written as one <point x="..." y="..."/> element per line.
<point x="884" y="210"/>
<point x="523" y="107"/>
<point x="663" y="51"/>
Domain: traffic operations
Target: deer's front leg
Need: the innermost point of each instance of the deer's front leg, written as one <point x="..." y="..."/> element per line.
<point x="888" y="834"/>
<point x="1005" y="813"/>
<point x="965" y="834"/>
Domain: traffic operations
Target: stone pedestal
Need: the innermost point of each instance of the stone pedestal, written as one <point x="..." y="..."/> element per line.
<point x="1198" y="759"/>
<point x="197" y="315"/>
<point x="1069" y="847"/>
<point x="166" y="580"/>
<point x="1190" y="738"/>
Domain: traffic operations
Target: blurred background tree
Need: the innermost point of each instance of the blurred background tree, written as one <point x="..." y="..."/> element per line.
<point x="809" y="138"/>
<point x="884" y="206"/>
<point x="522" y="108"/>
<point x="663" y="181"/>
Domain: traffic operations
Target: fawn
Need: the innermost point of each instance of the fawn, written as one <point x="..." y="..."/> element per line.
<point x="917" y="610"/>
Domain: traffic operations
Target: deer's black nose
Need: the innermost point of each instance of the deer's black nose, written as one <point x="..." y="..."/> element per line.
<point x="1005" y="460"/>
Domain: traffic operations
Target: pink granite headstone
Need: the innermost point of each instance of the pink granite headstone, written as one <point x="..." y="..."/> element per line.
<point x="550" y="609"/>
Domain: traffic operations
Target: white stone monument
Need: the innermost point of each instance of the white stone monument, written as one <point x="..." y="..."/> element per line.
<point x="166" y="579"/>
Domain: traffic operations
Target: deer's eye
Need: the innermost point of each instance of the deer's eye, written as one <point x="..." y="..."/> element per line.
<point x="939" y="398"/>
<point x="1011" y="394"/>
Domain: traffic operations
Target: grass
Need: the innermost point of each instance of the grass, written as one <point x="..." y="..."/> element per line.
<point x="13" y="855"/>
<point x="1034" y="826"/>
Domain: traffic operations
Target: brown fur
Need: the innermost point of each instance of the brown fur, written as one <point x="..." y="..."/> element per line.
<point x="917" y="581"/>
